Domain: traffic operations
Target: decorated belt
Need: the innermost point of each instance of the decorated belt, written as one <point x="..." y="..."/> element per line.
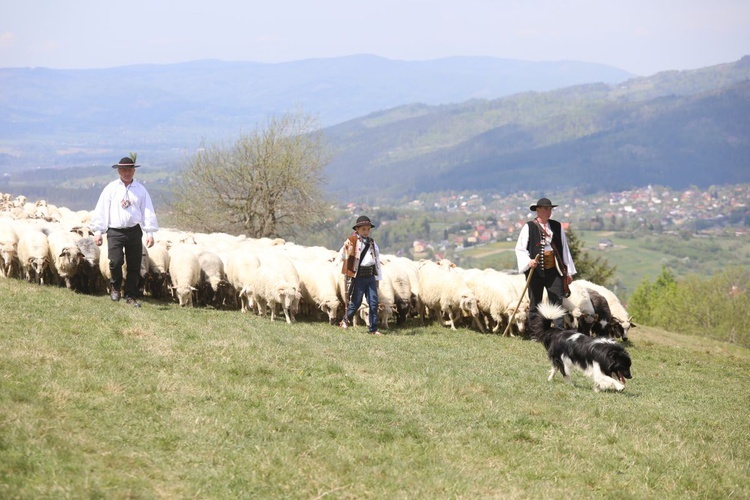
<point x="365" y="271"/>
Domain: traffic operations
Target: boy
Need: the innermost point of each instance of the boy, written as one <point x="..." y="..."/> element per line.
<point x="361" y="268"/>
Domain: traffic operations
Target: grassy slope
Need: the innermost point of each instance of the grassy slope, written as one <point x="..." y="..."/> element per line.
<point x="97" y="399"/>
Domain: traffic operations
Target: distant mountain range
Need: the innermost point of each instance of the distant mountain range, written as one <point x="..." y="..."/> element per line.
<point x="73" y="117"/>
<point x="398" y="128"/>
<point x="674" y="129"/>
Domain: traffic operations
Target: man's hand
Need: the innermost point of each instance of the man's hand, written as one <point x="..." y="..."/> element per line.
<point x="149" y="242"/>
<point x="98" y="240"/>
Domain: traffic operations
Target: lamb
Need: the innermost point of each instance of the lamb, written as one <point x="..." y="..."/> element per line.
<point x="65" y="256"/>
<point x="277" y="283"/>
<point x="445" y="292"/>
<point x="185" y="271"/>
<point x="8" y="250"/>
<point x="33" y="255"/>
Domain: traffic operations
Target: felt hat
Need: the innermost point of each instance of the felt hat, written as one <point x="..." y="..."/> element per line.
<point x="543" y="202"/>
<point x="126" y="163"/>
<point x="363" y="220"/>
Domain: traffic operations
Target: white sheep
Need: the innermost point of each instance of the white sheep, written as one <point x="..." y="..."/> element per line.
<point x="214" y="286"/>
<point x="386" y="302"/>
<point x="496" y="296"/>
<point x="242" y="269"/>
<point x="65" y="256"/>
<point x="405" y="283"/>
<point x="157" y="277"/>
<point x="318" y="285"/>
<point x="185" y="272"/>
<point x="277" y="284"/>
<point x="8" y="250"/>
<point x="33" y="254"/>
<point x="446" y="293"/>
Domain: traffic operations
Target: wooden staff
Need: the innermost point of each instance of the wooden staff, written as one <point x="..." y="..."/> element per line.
<point x="520" y="299"/>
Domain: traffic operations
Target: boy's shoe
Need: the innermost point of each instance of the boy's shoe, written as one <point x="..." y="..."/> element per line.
<point x="344" y="324"/>
<point x="114" y="295"/>
<point x="376" y="333"/>
<point x="132" y="302"/>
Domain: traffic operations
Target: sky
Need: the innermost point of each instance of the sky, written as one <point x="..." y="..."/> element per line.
<point x="640" y="36"/>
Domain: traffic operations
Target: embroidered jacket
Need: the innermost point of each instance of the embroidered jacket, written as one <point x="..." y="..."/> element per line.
<point x="350" y="253"/>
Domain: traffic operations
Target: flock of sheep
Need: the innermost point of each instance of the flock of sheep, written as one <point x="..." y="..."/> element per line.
<point x="53" y="245"/>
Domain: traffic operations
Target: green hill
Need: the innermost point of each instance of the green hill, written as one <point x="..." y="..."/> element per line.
<point x="101" y="400"/>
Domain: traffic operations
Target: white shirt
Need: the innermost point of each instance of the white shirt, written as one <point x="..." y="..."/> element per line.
<point x="522" y="254"/>
<point x="109" y="211"/>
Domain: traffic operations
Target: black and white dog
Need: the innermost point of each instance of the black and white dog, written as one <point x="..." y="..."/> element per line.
<point x="603" y="360"/>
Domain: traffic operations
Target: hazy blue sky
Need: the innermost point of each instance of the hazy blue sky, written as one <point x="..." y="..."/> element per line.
<point x="641" y="36"/>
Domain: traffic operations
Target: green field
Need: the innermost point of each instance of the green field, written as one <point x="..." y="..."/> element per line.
<point x="639" y="257"/>
<point x="99" y="400"/>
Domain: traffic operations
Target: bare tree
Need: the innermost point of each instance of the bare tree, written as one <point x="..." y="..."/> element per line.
<point x="266" y="184"/>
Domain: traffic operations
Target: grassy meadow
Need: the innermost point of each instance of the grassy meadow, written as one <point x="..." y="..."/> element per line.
<point x="100" y="400"/>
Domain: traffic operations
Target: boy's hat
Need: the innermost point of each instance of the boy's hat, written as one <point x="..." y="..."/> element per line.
<point x="363" y="220"/>
<point x="126" y="163"/>
<point x="543" y="202"/>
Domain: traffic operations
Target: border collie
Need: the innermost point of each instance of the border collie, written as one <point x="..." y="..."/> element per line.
<point x="603" y="360"/>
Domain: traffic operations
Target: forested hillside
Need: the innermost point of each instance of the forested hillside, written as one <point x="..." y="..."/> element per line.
<point x="675" y="129"/>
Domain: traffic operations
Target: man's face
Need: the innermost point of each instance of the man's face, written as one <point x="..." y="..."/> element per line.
<point x="126" y="174"/>
<point x="544" y="212"/>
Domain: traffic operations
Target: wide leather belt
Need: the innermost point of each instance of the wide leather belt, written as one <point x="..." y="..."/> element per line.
<point x="365" y="271"/>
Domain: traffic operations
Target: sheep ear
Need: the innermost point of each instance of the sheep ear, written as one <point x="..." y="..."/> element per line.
<point x="194" y="289"/>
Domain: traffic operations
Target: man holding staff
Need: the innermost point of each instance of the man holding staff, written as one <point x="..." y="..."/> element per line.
<point x="543" y="248"/>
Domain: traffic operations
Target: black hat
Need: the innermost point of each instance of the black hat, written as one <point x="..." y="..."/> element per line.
<point x="363" y="220"/>
<point x="543" y="202"/>
<point x="126" y="163"/>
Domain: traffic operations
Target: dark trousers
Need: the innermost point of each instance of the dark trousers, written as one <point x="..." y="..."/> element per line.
<point x="552" y="281"/>
<point x="358" y="288"/>
<point x="125" y="244"/>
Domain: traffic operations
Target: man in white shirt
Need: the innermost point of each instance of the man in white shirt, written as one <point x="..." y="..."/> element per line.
<point x="124" y="211"/>
<point x="542" y="246"/>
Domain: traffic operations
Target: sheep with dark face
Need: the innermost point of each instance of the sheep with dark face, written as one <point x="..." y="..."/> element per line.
<point x="89" y="277"/>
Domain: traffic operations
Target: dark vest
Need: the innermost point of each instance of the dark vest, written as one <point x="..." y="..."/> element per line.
<point x="534" y="246"/>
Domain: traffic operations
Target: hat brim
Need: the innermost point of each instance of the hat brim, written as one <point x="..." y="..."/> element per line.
<point x="363" y="224"/>
<point x="534" y="207"/>
<point x="125" y="165"/>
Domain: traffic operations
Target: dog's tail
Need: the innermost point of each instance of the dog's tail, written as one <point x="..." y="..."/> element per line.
<point x="550" y="311"/>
